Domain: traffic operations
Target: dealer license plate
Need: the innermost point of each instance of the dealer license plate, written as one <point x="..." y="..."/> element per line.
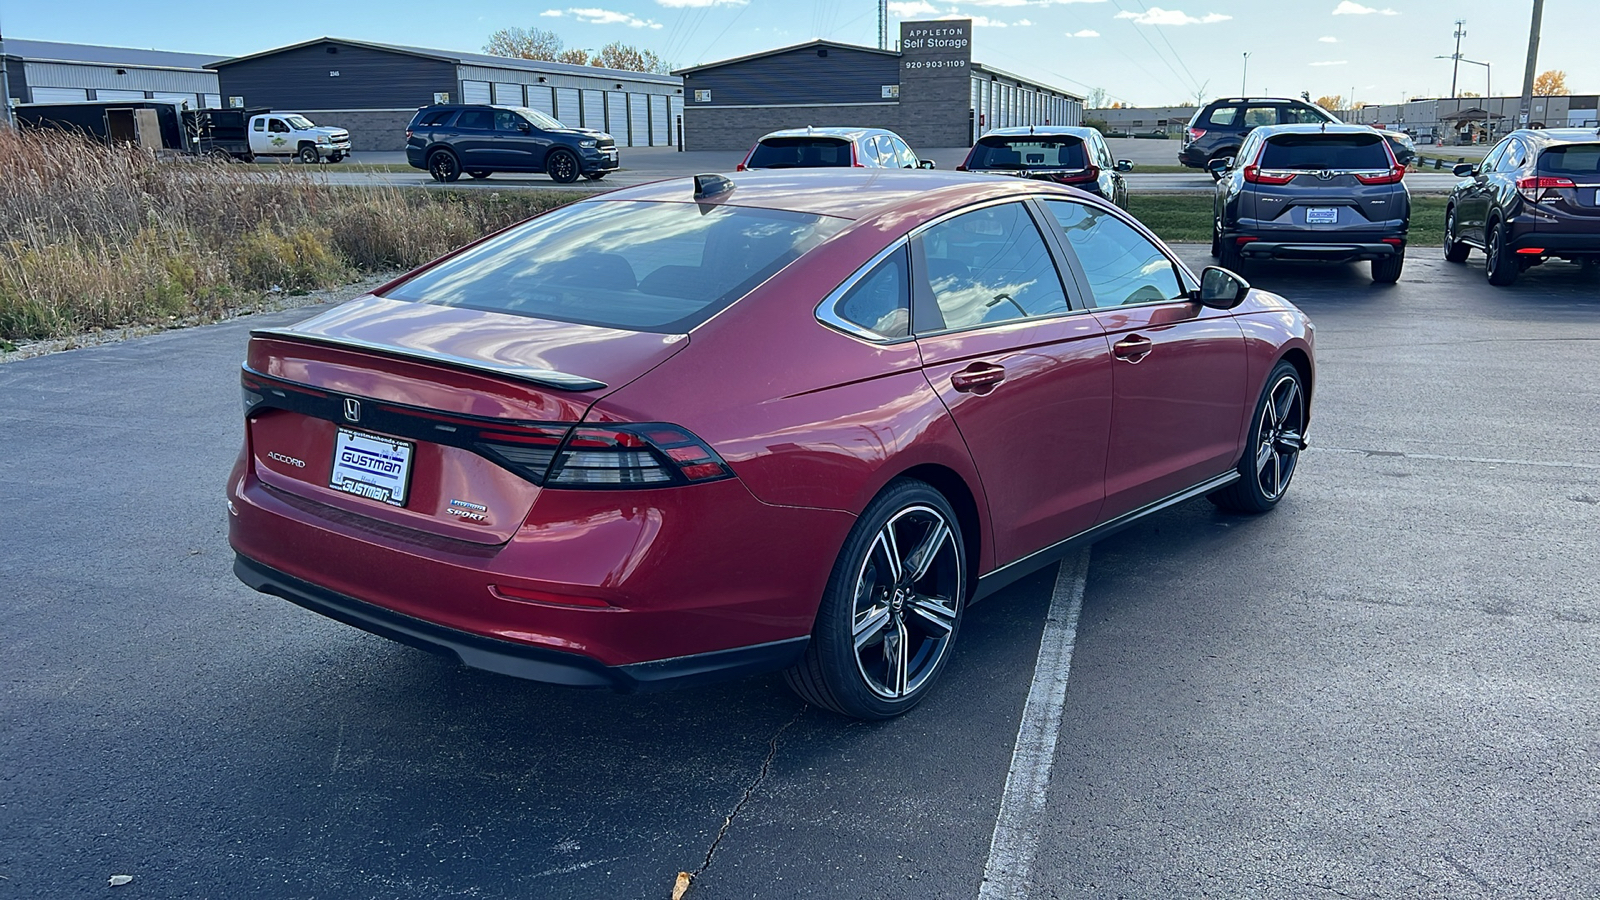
<point x="366" y="465"/>
<point x="1322" y="215"/>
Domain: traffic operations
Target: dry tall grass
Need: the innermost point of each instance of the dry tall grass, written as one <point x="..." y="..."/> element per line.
<point x="94" y="236"/>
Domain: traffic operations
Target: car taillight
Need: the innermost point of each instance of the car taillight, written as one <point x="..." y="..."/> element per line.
<point x="961" y="167"/>
<point x="528" y="452"/>
<point x="1196" y="134"/>
<point x="1254" y="175"/>
<point x="745" y="165"/>
<point x="624" y="456"/>
<point x="1087" y="175"/>
<point x="1532" y="188"/>
<point x="1393" y="176"/>
<point x="408" y="134"/>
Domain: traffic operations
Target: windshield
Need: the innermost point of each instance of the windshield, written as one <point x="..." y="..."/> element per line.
<point x="299" y="123"/>
<point x="663" y="267"/>
<point x="1028" y="153"/>
<point x="800" y="153"/>
<point x="540" y="119"/>
<point x="1325" y="151"/>
<point x="1572" y="159"/>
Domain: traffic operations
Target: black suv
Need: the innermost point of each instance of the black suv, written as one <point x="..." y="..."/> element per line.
<point x="1327" y="192"/>
<point x="1534" y="196"/>
<point x="1217" y="130"/>
<point x="1065" y="154"/>
<point x="481" y="140"/>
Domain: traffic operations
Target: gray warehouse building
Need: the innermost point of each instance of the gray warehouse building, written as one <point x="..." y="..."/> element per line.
<point x="374" y="89"/>
<point x="50" y="72"/>
<point x="929" y="91"/>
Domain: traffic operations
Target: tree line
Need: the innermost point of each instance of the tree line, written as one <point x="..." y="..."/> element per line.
<point x="536" y="43"/>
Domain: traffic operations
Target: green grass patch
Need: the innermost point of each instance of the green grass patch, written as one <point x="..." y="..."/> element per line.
<point x="1187" y="217"/>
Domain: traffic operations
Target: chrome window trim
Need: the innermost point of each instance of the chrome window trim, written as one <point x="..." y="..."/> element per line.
<point x="827" y="312"/>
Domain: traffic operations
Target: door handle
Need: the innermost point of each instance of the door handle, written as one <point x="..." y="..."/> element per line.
<point x="1132" y="348"/>
<point x="978" y="378"/>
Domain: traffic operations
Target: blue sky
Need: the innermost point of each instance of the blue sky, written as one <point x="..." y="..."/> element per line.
<point x="1141" y="52"/>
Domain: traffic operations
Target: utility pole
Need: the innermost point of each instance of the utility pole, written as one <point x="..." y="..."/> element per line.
<point x="1242" y="91"/>
<point x="1461" y="31"/>
<point x="1533" y="60"/>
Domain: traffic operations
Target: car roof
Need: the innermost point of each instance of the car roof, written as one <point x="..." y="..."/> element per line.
<point x="1076" y="131"/>
<point x="1553" y="136"/>
<point x="840" y="131"/>
<point x="848" y="193"/>
<point x="1295" y="100"/>
<point x="1315" y="128"/>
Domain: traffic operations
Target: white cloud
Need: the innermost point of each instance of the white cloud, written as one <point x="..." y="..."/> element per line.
<point x="1331" y="62"/>
<point x="553" y="13"/>
<point x="1023" y="23"/>
<point x="906" y="10"/>
<point x="1328" y="40"/>
<point x="983" y="21"/>
<point x="593" y="16"/>
<point x="1350" y="8"/>
<point x="1155" y="15"/>
<point x="1084" y="33"/>
<point x="698" y="4"/>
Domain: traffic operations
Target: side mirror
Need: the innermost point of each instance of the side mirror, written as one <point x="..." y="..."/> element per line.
<point x="926" y="164"/>
<point x="524" y="127"/>
<point x="1464" y="170"/>
<point x="1218" y="166"/>
<point x="1221" y="289"/>
<point x="1124" y="165"/>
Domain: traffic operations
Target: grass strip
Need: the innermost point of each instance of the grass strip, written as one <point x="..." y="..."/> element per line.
<point x="1187" y="217"/>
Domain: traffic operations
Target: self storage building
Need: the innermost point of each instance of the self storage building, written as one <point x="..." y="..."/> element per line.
<point x="929" y="91"/>
<point x="374" y="89"/>
<point x="51" y="72"/>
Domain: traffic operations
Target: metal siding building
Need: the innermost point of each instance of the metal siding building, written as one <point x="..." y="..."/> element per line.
<point x="374" y="89"/>
<point x="50" y="72"/>
<point x="929" y="91"/>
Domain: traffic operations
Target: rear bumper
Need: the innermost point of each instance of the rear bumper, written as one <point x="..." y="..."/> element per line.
<point x="1558" y="244"/>
<point x="514" y="659"/>
<point x="1331" y="251"/>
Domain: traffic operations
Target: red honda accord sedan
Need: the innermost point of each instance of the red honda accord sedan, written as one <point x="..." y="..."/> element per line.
<point x="793" y="420"/>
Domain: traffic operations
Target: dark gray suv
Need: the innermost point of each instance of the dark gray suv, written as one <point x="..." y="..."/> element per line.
<point x="1217" y="130"/>
<point x="482" y="139"/>
<point x="1319" y="192"/>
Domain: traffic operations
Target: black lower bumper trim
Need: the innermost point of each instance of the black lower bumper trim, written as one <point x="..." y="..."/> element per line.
<point x="1332" y="251"/>
<point x="520" y="660"/>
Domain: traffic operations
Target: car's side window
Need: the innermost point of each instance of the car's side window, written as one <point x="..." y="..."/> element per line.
<point x="886" y="157"/>
<point x="437" y="117"/>
<point x="278" y="127"/>
<point x="506" y="120"/>
<point x="260" y="125"/>
<point x="987" y="266"/>
<point x="480" y="119"/>
<point x="903" y="154"/>
<point x="1247" y="151"/>
<point x="1260" y="115"/>
<point x="880" y="302"/>
<point x="1224" y="115"/>
<point x="1123" y="267"/>
<point x="1296" y="115"/>
<point x="1515" y="156"/>
<point x="1493" y="158"/>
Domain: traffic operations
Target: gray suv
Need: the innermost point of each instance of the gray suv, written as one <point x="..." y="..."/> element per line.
<point x="1217" y="130"/>
<point x="1319" y="192"/>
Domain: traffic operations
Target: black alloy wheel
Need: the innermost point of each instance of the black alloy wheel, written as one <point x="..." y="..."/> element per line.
<point x="562" y="167"/>
<point x="1454" y="251"/>
<point x="309" y="155"/>
<point x="891" y="610"/>
<point x="1276" y="438"/>
<point x="444" y="166"/>
<point x="1501" y="265"/>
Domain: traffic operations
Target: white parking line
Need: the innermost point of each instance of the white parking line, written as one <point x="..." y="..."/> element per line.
<point x="1016" y="829"/>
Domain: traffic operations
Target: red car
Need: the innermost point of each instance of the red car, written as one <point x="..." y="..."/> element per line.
<point x="792" y="420"/>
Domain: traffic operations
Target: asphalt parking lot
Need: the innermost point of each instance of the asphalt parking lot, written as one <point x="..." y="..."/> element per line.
<point x="1388" y="687"/>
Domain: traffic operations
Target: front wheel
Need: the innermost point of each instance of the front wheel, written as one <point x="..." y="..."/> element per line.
<point x="562" y="167"/>
<point x="1454" y="251"/>
<point x="891" y="610"/>
<point x="1387" y="269"/>
<point x="1276" y="439"/>
<point x="443" y="166"/>
<point x="309" y="155"/>
<point x="1500" y="266"/>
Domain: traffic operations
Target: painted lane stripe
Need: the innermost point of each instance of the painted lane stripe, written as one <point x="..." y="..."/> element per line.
<point x="1435" y="457"/>
<point x="1016" y="829"/>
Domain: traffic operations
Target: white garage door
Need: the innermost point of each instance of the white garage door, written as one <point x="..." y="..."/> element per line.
<point x="475" y="92"/>
<point x="539" y="98"/>
<point x="594" y="110"/>
<point x="213" y="101"/>
<point x="658" y="121"/>
<point x="61" y="95"/>
<point x="188" y="100"/>
<point x="567" y="107"/>
<point x="639" y="120"/>
<point x="113" y="95"/>
<point x="507" y="94"/>
<point x="617" y="116"/>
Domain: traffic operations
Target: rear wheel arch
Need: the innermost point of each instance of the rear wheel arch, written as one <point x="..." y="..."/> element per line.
<point x="955" y="489"/>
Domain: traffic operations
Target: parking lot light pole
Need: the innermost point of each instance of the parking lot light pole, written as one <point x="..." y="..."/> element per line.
<point x="1242" y="74"/>
<point x="1525" y="108"/>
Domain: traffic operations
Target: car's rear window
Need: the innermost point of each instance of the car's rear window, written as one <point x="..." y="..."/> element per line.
<point x="800" y="153"/>
<point x="1324" y="151"/>
<point x="1028" y="153"/>
<point x="434" y="117"/>
<point x="1571" y="159"/>
<point x="1224" y="115"/>
<point x="663" y="267"/>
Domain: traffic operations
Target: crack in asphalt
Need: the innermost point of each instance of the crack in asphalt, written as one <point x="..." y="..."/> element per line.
<point x="766" y="767"/>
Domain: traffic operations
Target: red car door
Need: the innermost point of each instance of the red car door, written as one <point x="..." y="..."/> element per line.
<point x="1178" y="370"/>
<point x="1027" y="381"/>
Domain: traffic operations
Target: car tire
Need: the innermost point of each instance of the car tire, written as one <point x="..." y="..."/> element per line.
<point x="1387" y="269"/>
<point x="1277" y="435"/>
<point x="1500" y="264"/>
<point x="1229" y="255"/>
<point x="309" y="155"/>
<point x="883" y="634"/>
<point x="1589" y="267"/>
<point x="1454" y="251"/>
<point x="480" y="174"/>
<point x="1216" y="241"/>
<point x="595" y="176"/>
<point x="562" y="167"/>
<point x="443" y="166"/>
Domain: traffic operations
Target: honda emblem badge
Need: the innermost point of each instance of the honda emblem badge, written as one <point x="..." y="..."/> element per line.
<point x="352" y="409"/>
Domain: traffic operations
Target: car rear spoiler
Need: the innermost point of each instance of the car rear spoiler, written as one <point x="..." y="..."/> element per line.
<point x="547" y="378"/>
